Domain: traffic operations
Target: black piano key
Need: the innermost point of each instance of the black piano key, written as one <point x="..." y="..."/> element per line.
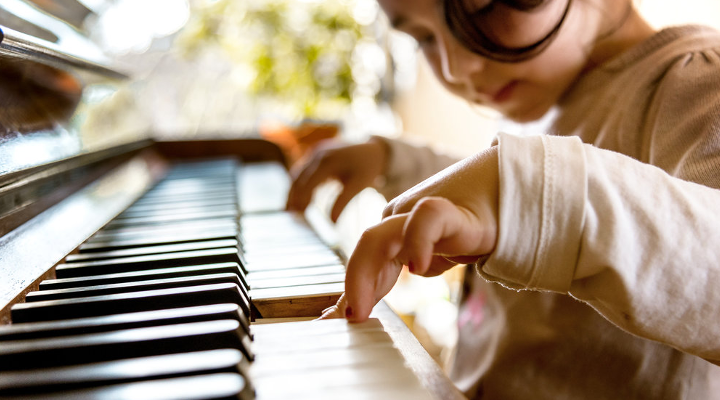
<point x="144" y="319"/>
<point x="178" y="208"/>
<point x="154" y="204"/>
<point x="183" y="207"/>
<point x="180" y="195"/>
<point x="126" y="264"/>
<point x="136" y="276"/>
<point x="108" y="244"/>
<point x="192" y="185"/>
<point x="45" y="380"/>
<point x="18" y="355"/>
<point x="164" y="229"/>
<point x="126" y="302"/>
<point x="185" y="172"/>
<point x="128" y="287"/>
<point x="157" y="249"/>
<point x="227" y="199"/>
<point x="195" y="183"/>
<point x="177" y="187"/>
<point x="161" y="219"/>
<point x="209" y="194"/>
<point x="202" y="387"/>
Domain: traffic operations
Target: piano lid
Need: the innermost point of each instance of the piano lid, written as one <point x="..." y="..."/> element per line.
<point x="29" y="34"/>
<point x="50" y="74"/>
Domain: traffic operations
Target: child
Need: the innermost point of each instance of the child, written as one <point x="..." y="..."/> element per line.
<point x="616" y="207"/>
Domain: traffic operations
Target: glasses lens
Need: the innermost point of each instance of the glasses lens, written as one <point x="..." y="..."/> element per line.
<point x="506" y="30"/>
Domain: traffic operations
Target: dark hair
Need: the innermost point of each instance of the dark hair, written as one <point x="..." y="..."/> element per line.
<point x="464" y="27"/>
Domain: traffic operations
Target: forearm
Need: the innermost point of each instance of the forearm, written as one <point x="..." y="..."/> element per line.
<point x="633" y="242"/>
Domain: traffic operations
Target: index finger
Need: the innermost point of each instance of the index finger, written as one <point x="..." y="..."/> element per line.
<point x="373" y="268"/>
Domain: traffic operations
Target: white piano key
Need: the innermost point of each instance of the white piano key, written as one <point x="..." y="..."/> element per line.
<point x="325" y="289"/>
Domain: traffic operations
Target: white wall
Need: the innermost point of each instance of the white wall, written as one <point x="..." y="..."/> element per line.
<point x="673" y="12"/>
<point x="431" y="114"/>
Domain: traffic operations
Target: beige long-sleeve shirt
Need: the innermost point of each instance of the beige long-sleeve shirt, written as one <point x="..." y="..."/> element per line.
<point x="618" y="208"/>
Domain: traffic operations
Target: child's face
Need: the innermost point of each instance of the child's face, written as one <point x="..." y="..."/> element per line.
<point x="522" y="91"/>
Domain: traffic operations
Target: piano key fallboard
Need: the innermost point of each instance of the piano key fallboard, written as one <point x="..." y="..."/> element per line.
<point x="167" y="301"/>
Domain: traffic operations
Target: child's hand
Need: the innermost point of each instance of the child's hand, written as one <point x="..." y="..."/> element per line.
<point x="355" y="166"/>
<point x="449" y="218"/>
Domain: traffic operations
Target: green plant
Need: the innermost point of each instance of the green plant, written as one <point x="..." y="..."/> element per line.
<point x="296" y="52"/>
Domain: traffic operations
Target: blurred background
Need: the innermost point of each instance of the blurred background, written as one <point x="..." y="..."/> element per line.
<point x="295" y="72"/>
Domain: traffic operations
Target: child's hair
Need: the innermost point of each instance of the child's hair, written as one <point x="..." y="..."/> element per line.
<point x="473" y="28"/>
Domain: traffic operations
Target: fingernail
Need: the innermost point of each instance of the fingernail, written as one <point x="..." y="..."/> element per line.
<point x="348" y="312"/>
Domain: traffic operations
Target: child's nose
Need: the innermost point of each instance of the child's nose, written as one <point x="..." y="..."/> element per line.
<point x="458" y="63"/>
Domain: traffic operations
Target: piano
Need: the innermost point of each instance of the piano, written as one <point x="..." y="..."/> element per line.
<point x="159" y="269"/>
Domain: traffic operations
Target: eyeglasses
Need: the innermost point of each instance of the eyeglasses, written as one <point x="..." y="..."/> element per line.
<point x="505" y="30"/>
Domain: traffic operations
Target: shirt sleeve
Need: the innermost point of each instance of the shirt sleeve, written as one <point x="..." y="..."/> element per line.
<point x="640" y="246"/>
<point x="409" y="164"/>
<point x="681" y="130"/>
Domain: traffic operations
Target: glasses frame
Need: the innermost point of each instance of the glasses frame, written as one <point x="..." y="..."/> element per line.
<point x="474" y="39"/>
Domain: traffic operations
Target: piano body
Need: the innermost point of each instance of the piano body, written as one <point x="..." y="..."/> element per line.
<point x="149" y="269"/>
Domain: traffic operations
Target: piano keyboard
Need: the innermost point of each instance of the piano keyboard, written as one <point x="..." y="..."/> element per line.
<point x="185" y="232"/>
<point x="160" y="304"/>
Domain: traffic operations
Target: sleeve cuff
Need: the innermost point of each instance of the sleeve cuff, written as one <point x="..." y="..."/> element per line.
<point x="542" y="196"/>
